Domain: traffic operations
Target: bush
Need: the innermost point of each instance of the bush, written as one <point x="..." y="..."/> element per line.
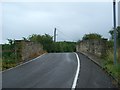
<point x="108" y="64"/>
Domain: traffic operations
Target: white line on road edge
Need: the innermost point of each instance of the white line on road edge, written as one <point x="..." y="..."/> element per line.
<point x="23" y="63"/>
<point x="77" y="73"/>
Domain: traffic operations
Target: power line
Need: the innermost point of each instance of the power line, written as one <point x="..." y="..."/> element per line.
<point x="64" y="34"/>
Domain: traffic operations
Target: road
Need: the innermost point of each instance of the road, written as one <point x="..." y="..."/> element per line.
<point x="57" y="70"/>
<point x="92" y="76"/>
<point x="53" y="70"/>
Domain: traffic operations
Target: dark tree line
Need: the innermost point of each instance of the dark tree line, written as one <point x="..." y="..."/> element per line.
<point x="92" y="36"/>
<point x="50" y="46"/>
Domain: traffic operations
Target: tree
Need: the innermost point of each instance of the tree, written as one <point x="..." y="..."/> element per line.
<point x="11" y="41"/>
<point x="33" y="37"/>
<point x="50" y="46"/>
<point x="25" y="39"/>
<point x="45" y="40"/>
<point x="118" y="35"/>
<point x="92" y="36"/>
<point x="117" y="31"/>
<point x="118" y="40"/>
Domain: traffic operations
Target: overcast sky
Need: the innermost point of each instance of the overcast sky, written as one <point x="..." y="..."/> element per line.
<point x="72" y="19"/>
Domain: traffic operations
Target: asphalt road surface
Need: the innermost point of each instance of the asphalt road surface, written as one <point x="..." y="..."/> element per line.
<point x="92" y="76"/>
<point x="57" y="70"/>
<point x="53" y="70"/>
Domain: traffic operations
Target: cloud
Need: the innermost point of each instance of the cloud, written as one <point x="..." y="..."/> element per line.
<point x="73" y="19"/>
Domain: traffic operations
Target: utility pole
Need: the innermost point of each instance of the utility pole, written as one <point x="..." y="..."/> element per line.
<point x="55" y="35"/>
<point x="114" y="19"/>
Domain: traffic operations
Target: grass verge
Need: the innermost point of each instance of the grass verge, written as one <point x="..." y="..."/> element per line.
<point x="111" y="68"/>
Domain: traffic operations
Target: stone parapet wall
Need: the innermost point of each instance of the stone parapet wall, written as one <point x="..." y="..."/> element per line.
<point x="97" y="47"/>
<point x="27" y="50"/>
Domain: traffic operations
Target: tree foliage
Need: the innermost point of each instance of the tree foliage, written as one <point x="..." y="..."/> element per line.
<point x="92" y="36"/>
<point x="50" y="46"/>
<point x="118" y="34"/>
<point x="10" y="41"/>
<point x="45" y="40"/>
<point x="64" y="47"/>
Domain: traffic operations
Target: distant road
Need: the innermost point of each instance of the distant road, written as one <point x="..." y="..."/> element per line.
<point x="57" y="70"/>
<point x="53" y="70"/>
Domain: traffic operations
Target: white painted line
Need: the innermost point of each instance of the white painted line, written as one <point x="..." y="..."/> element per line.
<point x="23" y="63"/>
<point x="77" y="73"/>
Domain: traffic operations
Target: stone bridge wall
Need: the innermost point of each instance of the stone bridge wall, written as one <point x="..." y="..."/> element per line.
<point x="96" y="47"/>
<point x="27" y="50"/>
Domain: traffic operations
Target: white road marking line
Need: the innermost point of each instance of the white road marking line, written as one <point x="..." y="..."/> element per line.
<point x="23" y="63"/>
<point x="77" y="73"/>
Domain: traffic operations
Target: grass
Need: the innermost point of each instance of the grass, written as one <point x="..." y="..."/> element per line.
<point x="12" y="60"/>
<point x="108" y="64"/>
<point x="8" y="63"/>
<point x="114" y="70"/>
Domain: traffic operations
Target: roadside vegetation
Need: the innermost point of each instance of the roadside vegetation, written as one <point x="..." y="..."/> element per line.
<point x="50" y="46"/>
<point x="92" y="36"/>
<point x="10" y="58"/>
<point x="108" y="57"/>
<point x="108" y="63"/>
